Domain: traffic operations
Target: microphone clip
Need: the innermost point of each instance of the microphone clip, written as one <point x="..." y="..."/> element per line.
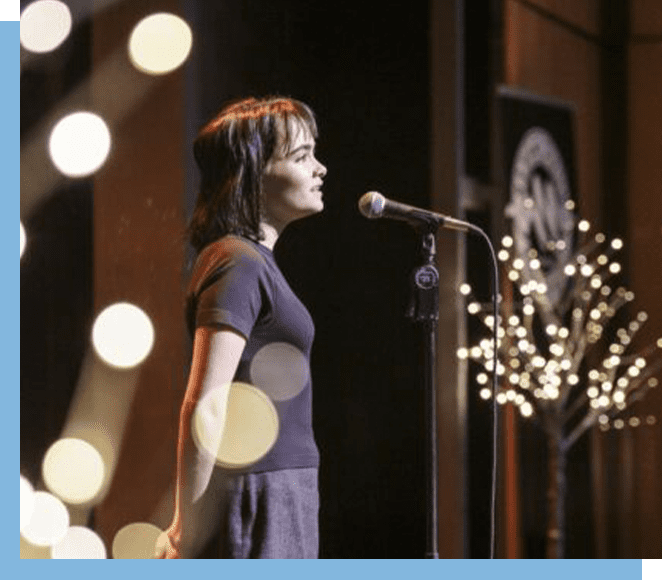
<point x="424" y="302"/>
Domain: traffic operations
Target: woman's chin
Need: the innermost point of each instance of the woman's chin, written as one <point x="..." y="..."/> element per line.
<point x="313" y="208"/>
<point x="310" y="211"/>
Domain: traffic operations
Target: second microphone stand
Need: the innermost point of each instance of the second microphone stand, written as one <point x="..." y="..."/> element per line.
<point x="424" y="308"/>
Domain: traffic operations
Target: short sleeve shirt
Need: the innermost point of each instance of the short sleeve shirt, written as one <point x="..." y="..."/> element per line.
<point x="237" y="283"/>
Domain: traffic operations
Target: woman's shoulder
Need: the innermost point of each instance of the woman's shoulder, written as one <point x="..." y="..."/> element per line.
<point x="228" y="251"/>
<point x="232" y="249"/>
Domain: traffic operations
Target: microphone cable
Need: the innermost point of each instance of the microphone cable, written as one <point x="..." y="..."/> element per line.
<point x="495" y="378"/>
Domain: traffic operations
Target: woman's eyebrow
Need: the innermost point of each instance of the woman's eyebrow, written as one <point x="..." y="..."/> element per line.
<point x="300" y="148"/>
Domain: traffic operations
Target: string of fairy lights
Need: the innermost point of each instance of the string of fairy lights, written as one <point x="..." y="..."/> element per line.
<point x="567" y="357"/>
<point x="78" y="467"/>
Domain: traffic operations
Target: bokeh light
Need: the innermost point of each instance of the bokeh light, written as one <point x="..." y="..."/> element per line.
<point x="280" y="370"/>
<point x="49" y="522"/>
<point x="29" y="551"/>
<point x="26" y="501"/>
<point x="123" y="335"/>
<point x="236" y="425"/>
<point x="45" y="25"/>
<point x="160" y="43"/>
<point x="79" y="144"/>
<point x="79" y="543"/>
<point x="73" y="470"/>
<point x="526" y="409"/>
<point x="23" y="239"/>
<point x="136" y="541"/>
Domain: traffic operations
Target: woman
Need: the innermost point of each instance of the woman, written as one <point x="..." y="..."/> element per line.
<point x="258" y="174"/>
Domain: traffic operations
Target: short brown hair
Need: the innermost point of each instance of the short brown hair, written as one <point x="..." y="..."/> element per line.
<point x="231" y="151"/>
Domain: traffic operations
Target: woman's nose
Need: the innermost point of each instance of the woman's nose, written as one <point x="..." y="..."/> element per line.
<point x="320" y="170"/>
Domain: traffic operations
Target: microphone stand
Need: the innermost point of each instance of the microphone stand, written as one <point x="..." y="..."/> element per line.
<point x="424" y="308"/>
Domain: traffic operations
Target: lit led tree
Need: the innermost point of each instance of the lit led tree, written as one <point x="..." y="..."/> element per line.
<point x="563" y="351"/>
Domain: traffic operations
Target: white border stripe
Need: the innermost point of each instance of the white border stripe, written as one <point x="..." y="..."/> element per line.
<point x="10" y="10"/>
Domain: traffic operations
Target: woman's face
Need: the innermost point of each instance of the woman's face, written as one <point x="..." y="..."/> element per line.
<point x="292" y="180"/>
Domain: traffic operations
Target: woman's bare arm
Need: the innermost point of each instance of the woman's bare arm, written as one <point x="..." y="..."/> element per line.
<point x="216" y="355"/>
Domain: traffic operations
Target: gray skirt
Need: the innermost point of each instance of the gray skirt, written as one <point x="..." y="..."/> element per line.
<point x="273" y="514"/>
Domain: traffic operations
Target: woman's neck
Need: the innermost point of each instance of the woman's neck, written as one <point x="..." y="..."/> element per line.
<point x="270" y="233"/>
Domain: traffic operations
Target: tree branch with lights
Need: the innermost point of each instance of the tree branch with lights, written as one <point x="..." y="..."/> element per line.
<point x="563" y="351"/>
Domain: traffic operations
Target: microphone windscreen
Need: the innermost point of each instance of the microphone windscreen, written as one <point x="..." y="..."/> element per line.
<point x="371" y="204"/>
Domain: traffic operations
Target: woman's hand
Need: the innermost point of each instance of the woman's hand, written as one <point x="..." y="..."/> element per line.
<point x="166" y="548"/>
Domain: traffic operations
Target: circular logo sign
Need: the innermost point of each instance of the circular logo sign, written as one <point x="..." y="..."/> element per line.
<point x="541" y="209"/>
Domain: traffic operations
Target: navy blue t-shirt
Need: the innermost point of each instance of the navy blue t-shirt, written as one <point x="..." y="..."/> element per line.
<point x="236" y="282"/>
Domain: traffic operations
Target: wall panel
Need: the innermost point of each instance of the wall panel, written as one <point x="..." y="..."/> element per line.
<point x="645" y="267"/>
<point x="646" y="17"/>
<point x="551" y="48"/>
<point x="549" y="59"/>
<point x="584" y="15"/>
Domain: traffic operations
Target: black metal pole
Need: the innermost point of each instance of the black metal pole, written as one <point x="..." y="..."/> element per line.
<point x="424" y="308"/>
<point x="431" y="429"/>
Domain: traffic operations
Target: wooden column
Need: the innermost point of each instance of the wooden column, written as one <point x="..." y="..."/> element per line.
<point x="138" y="250"/>
<point x="446" y="156"/>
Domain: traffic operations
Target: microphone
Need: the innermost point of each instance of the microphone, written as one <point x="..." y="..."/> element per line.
<point x="374" y="205"/>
